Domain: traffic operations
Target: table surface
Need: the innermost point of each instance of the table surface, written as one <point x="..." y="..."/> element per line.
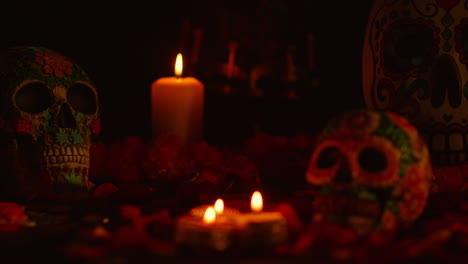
<point x="58" y="226"/>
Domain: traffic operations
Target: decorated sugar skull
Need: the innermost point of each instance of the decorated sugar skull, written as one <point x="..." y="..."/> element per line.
<point x="415" y="62"/>
<point x="371" y="170"/>
<point x="49" y="111"/>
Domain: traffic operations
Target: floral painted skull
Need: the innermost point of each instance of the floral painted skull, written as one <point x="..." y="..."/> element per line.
<point x="48" y="113"/>
<point x="415" y="62"/>
<point x="372" y="171"/>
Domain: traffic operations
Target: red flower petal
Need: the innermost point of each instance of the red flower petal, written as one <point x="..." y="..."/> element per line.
<point x="105" y="190"/>
<point x="130" y="212"/>
<point x="449" y="178"/>
<point x="11" y="213"/>
<point x="125" y="159"/>
<point x="160" y="159"/>
<point x="295" y="224"/>
<point x="96" y="126"/>
<point x="98" y="161"/>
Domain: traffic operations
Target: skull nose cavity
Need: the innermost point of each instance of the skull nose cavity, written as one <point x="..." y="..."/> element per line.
<point x="343" y="175"/>
<point x="445" y="82"/>
<point x="65" y="117"/>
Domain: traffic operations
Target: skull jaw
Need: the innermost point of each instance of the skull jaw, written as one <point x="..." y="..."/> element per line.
<point x="66" y="178"/>
<point x="346" y="208"/>
<point x="66" y="156"/>
<point x="30" y="173"/>
<point x="68" y="166"/>
<point x="362" y="225"/>
<point x="65" y="184"/>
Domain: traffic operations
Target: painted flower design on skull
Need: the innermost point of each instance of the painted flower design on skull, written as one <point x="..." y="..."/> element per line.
<point x="51" y="106"/>
<point x="368" y="166"/>
<point x="360" y="123"/>
<point x="415" y="63"/>
<point x="461" y="41"/>
<point x="54" y="64"/>
<point x="412" y="58"/>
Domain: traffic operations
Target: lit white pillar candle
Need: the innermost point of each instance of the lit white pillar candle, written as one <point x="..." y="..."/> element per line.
<point x="177" y="105"/>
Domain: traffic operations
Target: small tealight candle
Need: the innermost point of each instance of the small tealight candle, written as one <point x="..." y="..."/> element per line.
<point x="262" y="229"/>
<point x="205" y="234"/>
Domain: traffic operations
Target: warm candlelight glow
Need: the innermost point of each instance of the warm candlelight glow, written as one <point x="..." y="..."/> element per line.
<point x="177" y="106"/>
<point x="219" y="206"/>
<point x="210" y="215"/>
<point x="178" y="65"/>
<point x="100" y="232"/>
<point x="256" y="204"/>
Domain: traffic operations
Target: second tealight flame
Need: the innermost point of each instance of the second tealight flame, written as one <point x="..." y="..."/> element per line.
<point x="178" y="66"/>
<point x="210" y="215"/>
<point x="219" y="206"/>
<point x="256" y="204"/>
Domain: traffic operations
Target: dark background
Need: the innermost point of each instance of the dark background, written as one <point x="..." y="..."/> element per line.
<point x="126" y="46"/>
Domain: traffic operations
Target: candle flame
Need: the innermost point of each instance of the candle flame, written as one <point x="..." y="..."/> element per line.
<point x="210" y="215"/>
<point x="219" y="206"/>
<point x="256" y="204"/>
<point x="178" y="66"/>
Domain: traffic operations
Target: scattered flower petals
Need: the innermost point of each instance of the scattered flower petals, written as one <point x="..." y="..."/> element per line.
<point x="105" y="190"/>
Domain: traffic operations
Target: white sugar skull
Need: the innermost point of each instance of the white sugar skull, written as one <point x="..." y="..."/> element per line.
<point x="49" y="111"/>
<point x="371" y="170"/>
<point x="415" y="62"/>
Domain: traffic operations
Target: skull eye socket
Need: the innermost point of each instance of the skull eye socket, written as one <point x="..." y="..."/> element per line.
<point x="82" y="98"/>
<point x="33" y="98"/>
<point x="327" y="158"/>
<point x="407" y="47"/>
<point x="372" y="160"/>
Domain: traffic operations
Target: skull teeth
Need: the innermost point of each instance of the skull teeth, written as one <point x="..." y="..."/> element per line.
<point x="448" y="148"/>
<point x="74" y="150"/>
<point x="56" y="155"/>
<point x="67" y="159"/>
<point x="453" y="141"/>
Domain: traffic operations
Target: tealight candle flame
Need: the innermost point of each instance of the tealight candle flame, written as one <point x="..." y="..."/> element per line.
<point x="210" y="215"/>
<point x="219" y="206"/>
<point x="256" y="204"/>
<point x="178" y="66"/>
